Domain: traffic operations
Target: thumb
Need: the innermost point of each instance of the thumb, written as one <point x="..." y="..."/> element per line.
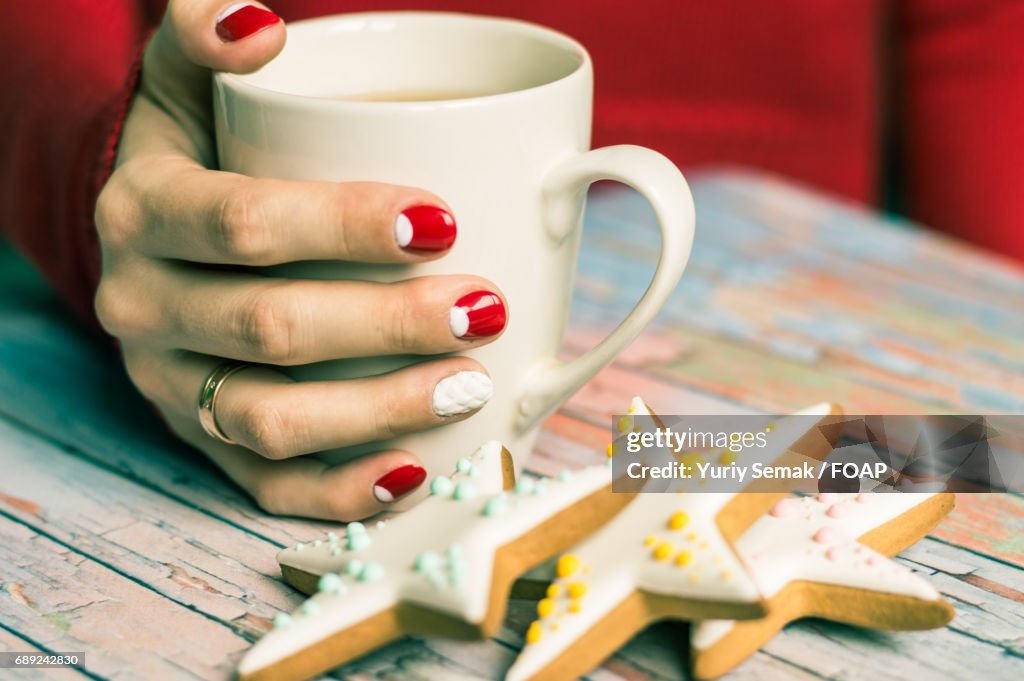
<point x="198" y="36"/>
<point x="239" y="37"/>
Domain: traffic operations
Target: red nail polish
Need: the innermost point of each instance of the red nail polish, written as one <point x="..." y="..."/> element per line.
<point x="478" y="314"/>
<point x="242" y="21"/>
<point x="398" y="483"/>
<point x="425" y="228"/>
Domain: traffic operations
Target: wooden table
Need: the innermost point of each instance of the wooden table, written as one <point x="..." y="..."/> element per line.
<point x="119" y="542"/>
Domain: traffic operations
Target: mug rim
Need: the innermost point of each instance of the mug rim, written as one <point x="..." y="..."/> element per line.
<point x="241" y="83"/>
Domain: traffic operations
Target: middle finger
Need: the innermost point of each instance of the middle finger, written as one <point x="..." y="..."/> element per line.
<point x="288" y="322"/>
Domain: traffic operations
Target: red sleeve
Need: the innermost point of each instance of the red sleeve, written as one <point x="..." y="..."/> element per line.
<point x="69" y="72"/>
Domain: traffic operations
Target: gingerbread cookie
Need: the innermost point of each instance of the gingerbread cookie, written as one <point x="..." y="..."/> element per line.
<point x="807" y="560"/>
<point x="490" y="470"/>
<point x="444" y="567"/>
<point x="667" y="555"/>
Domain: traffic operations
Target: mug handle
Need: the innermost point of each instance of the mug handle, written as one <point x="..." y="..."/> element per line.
<point x="564" y="187"/>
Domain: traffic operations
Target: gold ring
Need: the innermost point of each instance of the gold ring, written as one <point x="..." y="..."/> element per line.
<point x="215" y="380"/>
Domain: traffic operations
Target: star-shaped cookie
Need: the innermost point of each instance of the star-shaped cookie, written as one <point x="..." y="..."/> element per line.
<point x="823" y="557"/>
<point x="490" y="470"/>
<point x="667" y="554"/>
<point x="444" y="567"/>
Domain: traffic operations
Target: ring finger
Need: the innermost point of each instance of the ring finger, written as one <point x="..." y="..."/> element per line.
<point x="263" y="410"/>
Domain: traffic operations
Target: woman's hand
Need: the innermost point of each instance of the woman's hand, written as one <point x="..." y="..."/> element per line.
<point x="171" y="230"/>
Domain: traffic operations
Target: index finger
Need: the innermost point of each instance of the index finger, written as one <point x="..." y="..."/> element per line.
<point x="217" y="217"/>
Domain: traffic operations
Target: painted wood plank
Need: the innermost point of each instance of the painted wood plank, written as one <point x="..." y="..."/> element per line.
<point x="183" y="554"/>
<point x="65" y="600"/>
<point x="11" y="643"/>
<point x="863" y="654"/>
<point x="989" y="524"/>
<point x="995" y="616"/>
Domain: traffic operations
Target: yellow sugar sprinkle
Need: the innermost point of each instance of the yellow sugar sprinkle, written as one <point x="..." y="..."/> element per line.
<point x="624" y="423"/>
<point x="632" y="410"/>
<point x="683" y="558"/>
<point x="694" y="578"/>
<point x="692" y="536"/>
<point x="650" y="540"/>
<point x="662" y="551"/>
<point x="690" y="461"/>
<point x="567" y="565"/>
<point x="727" y="458"/>
<point x="554" y="626"/>
<point x="727" y="575"/>
<point x="678" y="520"/>
<point x="545" y="607"/>
<point x="577" y="590"/>
<point x="574" y="607"/>
<point x="770" y="427"/>
<point x="554" y="590"/>
<point x="611" y="449"/>
<point x="534" y="633"/>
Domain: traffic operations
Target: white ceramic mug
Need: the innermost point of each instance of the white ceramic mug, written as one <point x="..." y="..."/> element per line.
<point x="513" y="164"/>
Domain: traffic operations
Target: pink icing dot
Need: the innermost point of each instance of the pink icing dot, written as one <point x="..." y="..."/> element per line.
<point x="863" y="498"/>
<point x="826" y="535"/>
<point x="872" y="560"/>
<point x="828" y="497"/>
<point x="838" y="511"/>
<point x="784" y="508"/>
<point x="833" y="554"/>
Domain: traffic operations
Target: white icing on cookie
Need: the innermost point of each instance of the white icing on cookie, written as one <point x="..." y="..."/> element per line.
<point x="814" y="539"/>
<point x="666" y="544"/>
<point x="439" y="555"/>
<point x="485" y="467"/>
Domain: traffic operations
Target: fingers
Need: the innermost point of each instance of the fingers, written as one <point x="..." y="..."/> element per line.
<point x="289" y="322"/>
<point x="193" y="214"/>
<point x="309" y="487"/>
<point x="268" y="413"/>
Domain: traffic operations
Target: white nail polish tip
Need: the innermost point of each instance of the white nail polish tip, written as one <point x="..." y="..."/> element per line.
<point x="383" y="495"/>
<point x="458" y="321"/>
<point x="403" y="231"/>
<point x="229" y="10"/>
<point x="463" y="392"/>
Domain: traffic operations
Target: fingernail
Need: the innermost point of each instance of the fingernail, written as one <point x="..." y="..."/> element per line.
<point x="425" y="228"/>
<point x="460" y="393"/>
<point x="240" y="20"/>
<point x="477" y="314"/>
<point x="398" y="483"/>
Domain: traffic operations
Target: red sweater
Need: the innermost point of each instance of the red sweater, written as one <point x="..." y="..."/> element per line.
<point x="812" y="90"/>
